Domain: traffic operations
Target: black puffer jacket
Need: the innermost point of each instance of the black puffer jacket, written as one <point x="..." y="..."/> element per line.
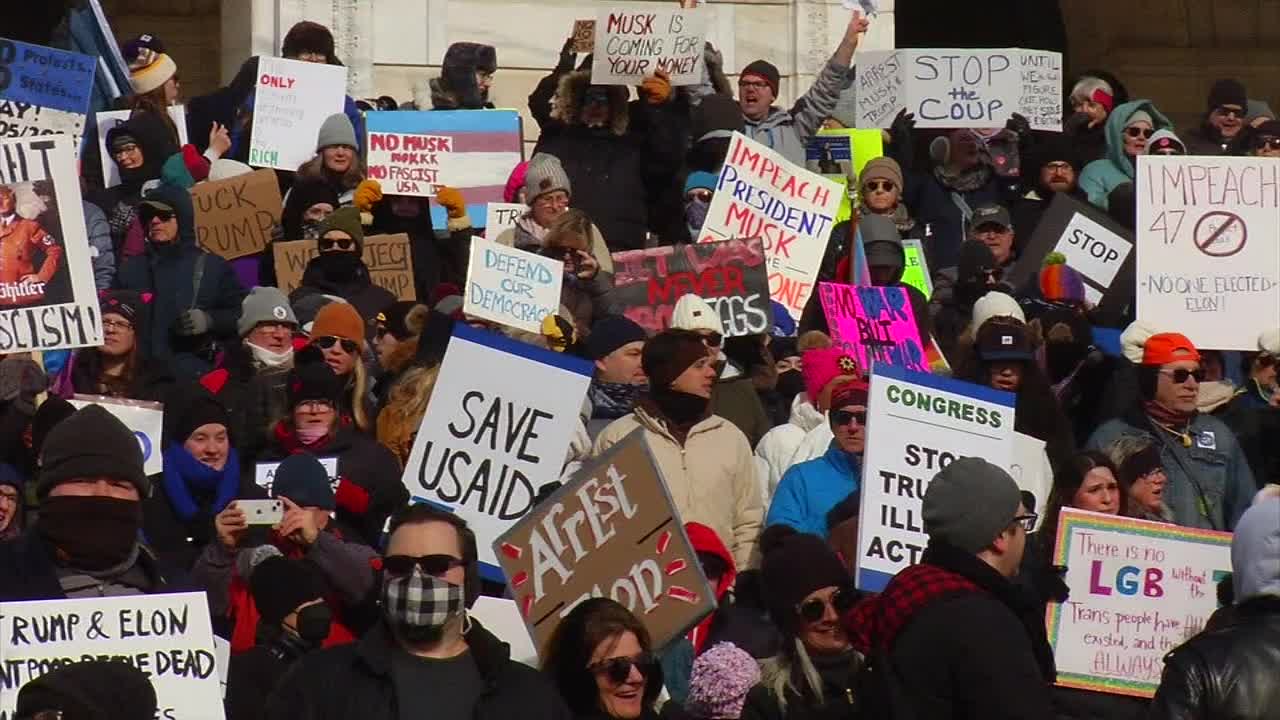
<point x="256" y="399"/>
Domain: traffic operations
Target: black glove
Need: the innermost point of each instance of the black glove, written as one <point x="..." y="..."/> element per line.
<point x="1076" y="123"/>
<point x="567" y="57"/>
<point x="903" y="124"/>
<point x="1050" y="584"/>
<point x="1019" y="125"/>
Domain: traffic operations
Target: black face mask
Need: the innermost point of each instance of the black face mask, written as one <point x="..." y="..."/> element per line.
<point x="90" y="533"/>
<point x="790" y="384"/>
<point x="339" y="266"/>
<point x="313" y="624"/>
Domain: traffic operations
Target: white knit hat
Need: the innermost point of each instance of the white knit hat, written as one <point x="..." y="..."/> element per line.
<point x="1134" y="339"/>
<point x="694" y="313"/>
<point x="996" y="304"/>
<point x="224" y="168"/>
<point x="150" y="70"/>
<point x="1269" y="342"/>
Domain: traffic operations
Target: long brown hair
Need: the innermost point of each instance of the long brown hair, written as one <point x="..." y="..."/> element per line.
<point x="569" y="649"/>
<point x="1067" y="479"/>
<point x="314" y="169"/>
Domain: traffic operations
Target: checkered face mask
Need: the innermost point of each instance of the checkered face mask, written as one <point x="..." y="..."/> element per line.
<point x="418" y="605"/>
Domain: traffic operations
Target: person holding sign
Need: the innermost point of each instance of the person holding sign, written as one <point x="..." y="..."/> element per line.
<point x="602" y="661"/>
<point x="339" y="268"/>
<point x="548" y="193"/>
<point x="312" y="42"/>
<point x="337" y="162"/>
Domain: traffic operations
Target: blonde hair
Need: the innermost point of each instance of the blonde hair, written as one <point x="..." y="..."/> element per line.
<point x="406" y="404"/>
<point x="359" y="385"/>
<point x="780" y="672"/>
<point x="571" y="229"/>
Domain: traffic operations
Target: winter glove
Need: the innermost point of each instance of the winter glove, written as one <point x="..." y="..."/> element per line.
<point x="1050" y="584"/>
<point x="558" y="332"/>
<point x="193" y="322"/>
<point x="368" y="193"/>
<point x="1018" y="125"/>
<point x="713" y="57"/>
<point x="567" y="56"/>
<point x="1077" y="123"/>
<point x="903" y="124"/>
<point x="452" y="201"/>
<point x="656" y="88"/>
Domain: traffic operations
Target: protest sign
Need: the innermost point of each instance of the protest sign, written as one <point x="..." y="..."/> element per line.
<point x="168" y="637"/>
<point x="1032" y="471"/>
<point x="1138" y="590"/>
<point x="107" y="119"/>
<point x="510" y="286"/>
<point x="632" y="42"/>
<point x="43" y="91"/>
<point x="612" y="531"/>
<point x="918" y="424"/>
<point x="761" y="195"/>
<point x="144" y="419"/>
<point x="291" y="101"/>
<point x="499" y="216"/>
<point x="584" y="36"/>
<point x="264" y="473"/>
<point x="916" y="271"/>
<point x="729" y="275"/>
<point x="387" y="257"/>
<point x="496" y="430"/>
<point x="875" y="324"/>
<point x="501" y="617"/>
<point x="475" y="152"/>
<point x="960" y="88"/>
<point x="235" y="217"/>
<point x="47" y="297"/>
<point x="1093" y="244"/>
<point x="1208" y="250"/>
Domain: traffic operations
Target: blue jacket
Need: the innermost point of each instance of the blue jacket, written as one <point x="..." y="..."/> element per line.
<point x="810" y="489"/>
<point x="1102" y="176"/>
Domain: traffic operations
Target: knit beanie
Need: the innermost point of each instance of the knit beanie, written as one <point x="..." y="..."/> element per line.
<point x="820" y="366"/>
<point x="51" y="412"/>
<point x="515" y="181"/>
<point x="969" y="503"/>
<point x="1258" y="109"/>
<point x="668" y="354"/>
<point x="336" y="130"/>
<point x="226" y="168"/>
<point x="784" y="326"/>
<point x="850" y="393"/>
<point x="395" y="319"/>
<point x="1139" y="116"/>
<point x="309" y="37"/>
<point x="90" y="690"/>
<point x="1269" y="342"/>
<point x="341" y="320"/>
<point x="882" y="168"/>
<point x="719" y="682"/>
<point x="1255" y="551"/>
<point x="279" y="585"/>
<point x="149" y="66"/>
<point x="717" y="115"/>
<point x="345" y="220"/>
<point x="1165" y="139"/>
<point x="694" y="313"/>
<point x="21" y="380"/>
<point x="91" y="443"/>
<point x="1060" y="282"/>
<point x="197" y="410"/>
<point x="610" y="333"/>
<point x="313" y="381"/>
<point x="797" y="566"/>
<point x="302" y="478"/>
<point x="701" y="180"/>
<point x="264" y="304"/>
<point x="545" y="174"/>
<point x="766" y="71"/>
<point x="1227" y="91"/>
<point x="996" y="304"/>
<point x="433" y="342"/>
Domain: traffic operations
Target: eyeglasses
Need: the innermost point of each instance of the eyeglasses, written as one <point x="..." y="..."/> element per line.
<point x="712" y="339"/>
<point x="1134" y="132"/>
<point x="813" y="610"/>
<point x="753" y="84"/>
<point x="327" y="341"/>
<point x="1267" y="142"/>
<point x="618" y="669"/>
<point x="842" y="417"/>
<point x="314" y="406"/>
<point x="8" y="493"/>
<point x="1180" y="375"/>
<point x="1229" y="111"/>
<point x="878" y="185"/>
<point x="1028" y="521"/>
<point x="124" y="150"/>
<point x="1058" y="165"/>
<point x="330" y="243"/>
<point x="116" y="325"/>
<point x="434" y="565"/>
<point x="555" y="199"/>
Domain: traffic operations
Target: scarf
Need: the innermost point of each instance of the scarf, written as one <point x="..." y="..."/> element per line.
<point x="900" y="216"/>
<point x="963" y="180"/>
<point x="183" y="474"/>
<point x="271" y="360"/>
<point x="1170" y="419"/>
<point x="610" y="401"/>
<point x="534" y="233"/>
<point x="679" y="411"/>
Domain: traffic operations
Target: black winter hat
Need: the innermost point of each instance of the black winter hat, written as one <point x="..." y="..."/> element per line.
<point x="128" y="304"/>
<point x="303" y="195"/>
<point x="766" y="70"/>
<point x="975" y="259"/>
<point x="309" y="37"/>
<point x="798" y="565"/>
<point x="395" y="319"/>
<point x="303" y="479"/>
<point x="610" y="333"/>
<point x="200" y="408"/>
<point x="1228" y="91"/>
<point x="669" y="353"/>
<point x="51" y="412"/>
<point x="91" y="443"/>
<point x="434" y="340"/>
<point x="279" y="585"/>
<point x="90" y="690"/>
<point x="313" y="380"/>
<point x="458" y="71"/>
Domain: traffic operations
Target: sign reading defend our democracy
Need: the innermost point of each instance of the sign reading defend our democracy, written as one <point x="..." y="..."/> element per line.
<point x="510" y="286"/>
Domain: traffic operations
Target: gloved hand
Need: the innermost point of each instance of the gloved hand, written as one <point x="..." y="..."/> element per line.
<point x="567" y="57"/>
<point x="1018" y="125"/>
<point x="368" y="193"/>
<point x="656" y="88"/>
<point x="452" y="201"/>
<point x="903" y="124"/>
<point x="713" y="57"/>
<point x="1076" y="123"/>
<point x="193" y="322"/>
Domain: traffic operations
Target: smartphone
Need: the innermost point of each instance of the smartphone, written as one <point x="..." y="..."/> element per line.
<point x="262" y="512"/>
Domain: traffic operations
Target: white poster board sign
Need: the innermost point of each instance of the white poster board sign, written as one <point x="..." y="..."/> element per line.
<point x="500" y="216"/>
<point x="512" y="287"/>
<point x="264" y="473"/>
<point x="918" y="424"/>
<point x="960" y="88"/>
<point x="291" y="101"/>
<point x="496" y="430"/>
<point x="1208" y="247"/>
<point x="144" y="419"/>
<point x="632" y="42"/>
<point x="168" y="637"/>
<point x="108" y="119"/>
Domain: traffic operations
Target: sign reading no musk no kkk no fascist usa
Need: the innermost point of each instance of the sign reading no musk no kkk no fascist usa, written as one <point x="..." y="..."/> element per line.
<point x="495" y="431"/>
<point x="168" y="637"/>
<point x="1138" y="590"/>
<point x="761" y="195"/>
<point x="633" y="42"/>
<point x="875" y="324"/>
<point x="47" y="296"/>
<point x="291" y="101"/>
<point x="916" y="425"/>
<point x="43" y="90"/>
<point x="1209" y="247"/>
<point x="613" y="532"/>
<point x="512" y="287"/>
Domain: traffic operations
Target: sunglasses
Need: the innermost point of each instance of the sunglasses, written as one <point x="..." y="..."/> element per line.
<point x="813" y="610"/>
<point x="1229" y="111"/>
<point x="1028" y="521"/>
<point x="842" y="417"/>
<point x="713" y="339"/>
<point x="618" y="669"/>
<point x="434" y="565"/>
<point x="328" y="341"/>
<point x="1181" y="374"/>
<point x="161" y="215"/>
<point x="699" y="194"/>
<point x="1134" y="132"/>
<point x="1270" y="143"/>
<point x="329" y="244"/>
<point x="878" y="185"/>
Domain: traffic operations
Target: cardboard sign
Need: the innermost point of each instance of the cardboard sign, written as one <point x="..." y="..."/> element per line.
<point x="47" y="296"/>
<point x="512" y="287"/>
<point x="144" y="419"/>
<point x="612" y="531"/>
<point x="43" y="91"/>
<point x="875" y="324"/>
<point x="960" y="88"/>
<point x="633" y="42"/>
<point x="107" y="119"/>
<point x="729" y="275"/>
<point x="916" y="273"/>
<point x="1208" y="250"/>
<point x="168" y="637"/>
<point x="475" y="152"/>
<point x="500" y="216"/>
<point x="264" y="473"/>
<point x="1093" y="244"/>
<point x="761" y="195"/>
<point x="291" y="101"/>
<point x="497" y="429"/>
<point x="387" y="257"/>
<point x="584" y="36"/>
<point x="1138" y="590"/>
<point x="235" y="217"/>
<point x="918" y="424"/>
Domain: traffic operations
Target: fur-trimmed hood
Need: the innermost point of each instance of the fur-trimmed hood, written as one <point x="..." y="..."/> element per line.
<point x="567" y="104"/>
<point x="403" y="356"/>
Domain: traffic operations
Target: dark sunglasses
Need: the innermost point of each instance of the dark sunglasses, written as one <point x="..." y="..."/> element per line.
<point x="877" y="185"/>
<point x="1229" y="111"/>
<point x="713" y="339"/>
<point x="434" y="565"/>
<point x="1270" y="143"/>
<point x="1134" y="132"/>
<point x="842" y="417"/>
<point x="330" y="243"/>
<point x="813" y="610"/>
<point x="161" y="215"/>
<point x="618" y="669"/>
<point x="1180" y="375"/>
<point x="326" y="342"/>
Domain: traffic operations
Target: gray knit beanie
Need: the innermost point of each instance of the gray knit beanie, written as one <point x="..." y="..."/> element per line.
<point x="264" y="305"/>
<point x="545" y="174"/>
<point x="969" y="503"/>
<point x="336" y="130"/>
